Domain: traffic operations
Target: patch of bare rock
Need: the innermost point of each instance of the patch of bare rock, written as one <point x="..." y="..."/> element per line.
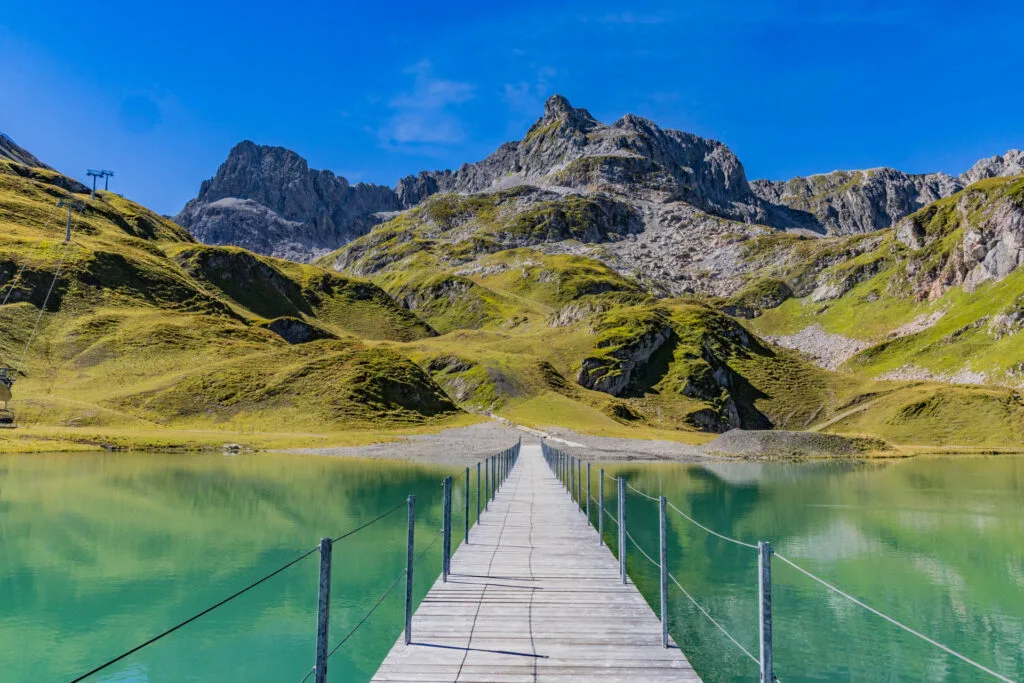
<point x="824" y="348"/>
<point x="786" y="444"/>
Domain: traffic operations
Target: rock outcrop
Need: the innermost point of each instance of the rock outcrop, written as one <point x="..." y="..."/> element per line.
<point x="848" y="202"/>
<point x="991" y="244"/>
<point x="296" y="330"/>
<point x="1009" y="164"/>
<point x="569" y="148"/>
<point x="11" y="150"/>
<point x="268" y="200"/>
<point x="615" y="372"/>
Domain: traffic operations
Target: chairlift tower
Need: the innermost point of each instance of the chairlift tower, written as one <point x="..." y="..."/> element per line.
<point x="72" y="205"/>
<point x="106" y="178"/>
<point x="94" y="175"/>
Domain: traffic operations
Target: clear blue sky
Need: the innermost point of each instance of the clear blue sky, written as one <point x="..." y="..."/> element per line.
<point x="159" y="92"/>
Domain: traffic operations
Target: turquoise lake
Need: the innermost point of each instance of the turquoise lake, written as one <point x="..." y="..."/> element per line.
<point x="102" y="551"/>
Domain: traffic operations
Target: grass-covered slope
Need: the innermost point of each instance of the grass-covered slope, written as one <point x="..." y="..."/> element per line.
<point x="551" y="338"/>
<point x="563" y="340"/>
<point x="938" y="298"/>
<point x="147" y="329"/>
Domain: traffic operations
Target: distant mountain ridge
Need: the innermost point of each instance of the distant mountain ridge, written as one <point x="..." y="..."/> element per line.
<point x="267" y="199"/>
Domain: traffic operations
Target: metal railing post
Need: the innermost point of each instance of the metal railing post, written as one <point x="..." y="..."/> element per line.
<point x="323" y="609"/>
<point x="588" y="494"/>
<point x="600" y="508"/>
<point x="622" y="528"/>
<point x="446" y="543"/>
<point x="409" y="558"/>
<point x="487" y="481"/>
<point x="764" y="586"/>
<point x="572" y="478"/>
<point x="478" y="492"/>
<point x="579" y="479"/>
<point x="467" y="505"/>
<point x="663" y="560"/>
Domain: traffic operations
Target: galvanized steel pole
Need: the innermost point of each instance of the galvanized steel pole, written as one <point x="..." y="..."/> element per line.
<point x="409" y="560"/>
<point x="579" y="479"/>
<point x="446" y="525"/>
<point x="572" y="477"/>
<point x="323" y="609"/>
<point x="588" y="494"/>
<point x="600" y="508"/>
<point x="663" y="537"/>
<point x="467" y="505"/>
<point x="478" y="492"/>
<point x="487" y="482"/>
<point x="622" y="528"/>
<point x="764" y="589"/>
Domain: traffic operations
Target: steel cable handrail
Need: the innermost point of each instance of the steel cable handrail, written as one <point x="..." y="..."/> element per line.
<point x="630" y="537"/>
<point x="377" y="604"/>
<point x="196" y="616"/>
<point x="636" y="490"/>
<point x="224" y="601"/>
<point x="713" y="621"/>
<point x="893" y="621"/>
<point x="711" y="531"/>
<point x="372" y="521"/>
<point x="611" y="516"/>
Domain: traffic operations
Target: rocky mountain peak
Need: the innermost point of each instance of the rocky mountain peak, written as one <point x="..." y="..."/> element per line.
<point x="268" y="200"/>
<point x="558" y="110"/>
<point x="1009" y="164"/>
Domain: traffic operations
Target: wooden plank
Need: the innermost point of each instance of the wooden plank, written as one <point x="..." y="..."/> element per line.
<point x="535" y="597"/>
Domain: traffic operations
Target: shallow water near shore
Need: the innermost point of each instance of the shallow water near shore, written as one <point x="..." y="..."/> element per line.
<point x="935" y="543"/>
<point x="102" y="551"/>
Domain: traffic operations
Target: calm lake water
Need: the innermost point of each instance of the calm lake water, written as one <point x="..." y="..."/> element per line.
<point x="100" y="552"/>
<point x="936" y="543"/>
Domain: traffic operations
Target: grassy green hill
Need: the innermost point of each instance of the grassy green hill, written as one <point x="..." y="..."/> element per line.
<point x="454" y="309"/>
<point x="148" y="331"/>
<point x="549" y="338"/>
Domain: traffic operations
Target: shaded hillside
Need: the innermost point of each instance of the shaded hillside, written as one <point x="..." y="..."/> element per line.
<point x="147" y="327"/>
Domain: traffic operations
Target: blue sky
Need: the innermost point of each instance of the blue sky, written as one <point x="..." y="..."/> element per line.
<point x="159" y="92"/>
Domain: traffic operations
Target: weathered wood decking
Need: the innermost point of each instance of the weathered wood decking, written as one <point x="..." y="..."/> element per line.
<point x="534" y="597"/>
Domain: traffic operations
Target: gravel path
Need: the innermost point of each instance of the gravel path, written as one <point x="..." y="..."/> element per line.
<point x="465" y="445"/>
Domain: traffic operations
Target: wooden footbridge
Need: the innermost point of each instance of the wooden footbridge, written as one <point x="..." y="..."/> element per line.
<point x="534" y="596"/>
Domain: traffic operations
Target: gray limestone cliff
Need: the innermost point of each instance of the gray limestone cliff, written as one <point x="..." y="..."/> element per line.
<point x="1009" y="164"/>
<point x="849" y="202"/>
<point x="268" y="200"/>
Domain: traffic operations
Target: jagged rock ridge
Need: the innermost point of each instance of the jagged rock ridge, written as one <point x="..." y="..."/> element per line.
<point x="9" y="149"/>
<point x="268" y="200"/>
<point x="1009" y="164"/>
<point x="849" y="202"/>
<point x="567" y="148"/>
